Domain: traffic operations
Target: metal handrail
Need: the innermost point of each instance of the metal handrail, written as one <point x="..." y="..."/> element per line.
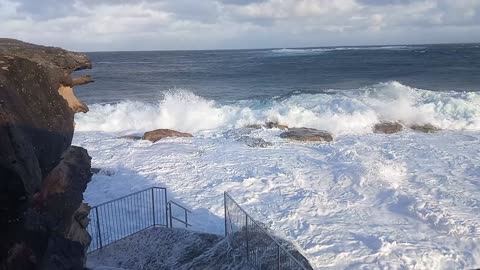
<point x="186" y="212"/>
<point x="128" y="195"/>
<point x="279" y="246"/>
<point x="111" y="221"/>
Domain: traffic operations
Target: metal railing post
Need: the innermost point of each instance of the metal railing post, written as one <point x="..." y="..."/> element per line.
<point x="246" y="236"/>
<point x="225" y="210"/>
<point x="153" y="207"/>
<point x="186" y="219"/>
<point x="170" y="214"/>
<point x="98" y="228"/>
<point x="263" y="253"/>
<point x="166" y="207"/>
<point x="278" y="255"/>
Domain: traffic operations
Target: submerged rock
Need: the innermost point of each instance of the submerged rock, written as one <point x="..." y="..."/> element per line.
<point x="307" y="135"/>
<point x="268" y="125"/>
<point x="255" y="142"/>
<point x="42" y="177"/>
<point x="254" y="126"/>
<point x="388" y="127"/>
<point x="426" y="128"/>
<point x="131" y="137"/>
<point x="159" y="134"/>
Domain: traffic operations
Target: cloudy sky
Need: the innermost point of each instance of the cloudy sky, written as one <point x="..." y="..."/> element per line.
<point x="97" y="25"/>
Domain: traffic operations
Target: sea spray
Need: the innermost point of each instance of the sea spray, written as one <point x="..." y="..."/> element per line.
<point x="341" y="112"/>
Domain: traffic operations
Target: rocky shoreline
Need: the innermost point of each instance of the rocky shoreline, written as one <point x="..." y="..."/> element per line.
<point x="42" y="218"/>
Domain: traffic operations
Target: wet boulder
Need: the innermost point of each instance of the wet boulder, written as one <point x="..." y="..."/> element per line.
<point x="425" y="128"/>
<point x="131" y="137"/>
<point x="271" y="125"/>
<point x="253" y="126"/>
<point x="159" y="134"/>
<point x="307" y="135"/>
<point x="387" y="127"/>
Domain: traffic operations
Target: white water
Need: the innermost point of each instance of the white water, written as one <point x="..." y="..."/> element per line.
<point x="293" y="51"/>
<point x="345" y="112"/>
<point x="408" y="200"/>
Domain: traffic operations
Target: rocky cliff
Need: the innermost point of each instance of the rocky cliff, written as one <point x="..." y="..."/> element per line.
<point x="42" y="177"/>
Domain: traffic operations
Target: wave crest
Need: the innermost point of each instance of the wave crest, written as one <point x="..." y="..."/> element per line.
<point x="341" y="112"/>
<point x="296" y="51"/>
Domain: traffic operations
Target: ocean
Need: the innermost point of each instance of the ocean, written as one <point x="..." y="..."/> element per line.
<point x="398" y="201"/>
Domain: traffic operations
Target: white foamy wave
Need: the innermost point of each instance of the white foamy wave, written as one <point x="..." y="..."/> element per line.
<point x="322" y="50"/>
<point x="341" y="112"/>
<point x="298" y="51"/>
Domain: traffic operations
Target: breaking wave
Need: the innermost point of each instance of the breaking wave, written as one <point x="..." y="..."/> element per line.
<point x="286" y="51"/>
<point x="340" y="112"/>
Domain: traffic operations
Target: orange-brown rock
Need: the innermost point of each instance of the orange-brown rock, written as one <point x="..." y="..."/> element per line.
<point x="159" y="134"/>
<point x="82" y="80"/>
<point x="73" y="102"/>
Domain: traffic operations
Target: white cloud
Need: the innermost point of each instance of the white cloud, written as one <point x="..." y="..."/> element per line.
<point x="194" y="24"/>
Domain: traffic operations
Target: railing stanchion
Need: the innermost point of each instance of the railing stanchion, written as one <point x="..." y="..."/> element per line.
<point x="186" y="219"/>
<point x="278" y="255"/>
<point x="246" y="236"/>
<point x="153" y="208"/>
<point x="265" y="249"/>
<point x="225" y="210"/>
<point x="166" y="209"/>
<point x="170" y="213"/>
<point x="98" y="228"/>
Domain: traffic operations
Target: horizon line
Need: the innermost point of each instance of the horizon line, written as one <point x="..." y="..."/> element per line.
<point x="277" y="48"/>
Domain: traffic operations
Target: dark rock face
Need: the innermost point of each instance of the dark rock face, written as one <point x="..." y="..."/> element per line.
<point x="159" y="134"/>
<point x="42" y="178"/>
<point x="388" y="127"/>
<point x="426" y="128"/>
<point x="307" y="135"/>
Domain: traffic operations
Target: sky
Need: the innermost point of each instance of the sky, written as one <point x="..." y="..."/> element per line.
<point x="117" y="25"/>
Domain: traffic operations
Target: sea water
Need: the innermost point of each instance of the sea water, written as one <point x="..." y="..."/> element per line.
<point x="366" y="200"/>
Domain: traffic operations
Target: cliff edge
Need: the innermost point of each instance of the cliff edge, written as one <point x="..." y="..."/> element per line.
<point x="42" y="177"/>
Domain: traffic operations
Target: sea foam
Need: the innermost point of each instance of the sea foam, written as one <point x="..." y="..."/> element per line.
<point x="296" y="51"/>
<point x="341" y="112"/>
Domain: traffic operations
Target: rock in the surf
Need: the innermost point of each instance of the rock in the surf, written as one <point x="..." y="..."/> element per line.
<point x="253" y="126"/>
<point x="131" y="137"/>
<point x="271" y="125"/>
<point x="159" y="134"/>
<point x="387" y="127"/>
<point x="425" y="128"/>
<point x="307" y="135"/>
